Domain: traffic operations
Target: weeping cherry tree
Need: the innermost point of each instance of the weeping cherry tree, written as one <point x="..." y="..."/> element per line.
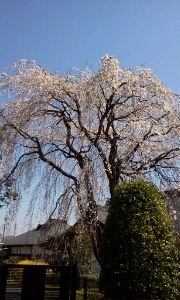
<point x="75" y="137"/>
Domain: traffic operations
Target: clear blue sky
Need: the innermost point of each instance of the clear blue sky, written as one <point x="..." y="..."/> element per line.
<point x="60" y="34"/>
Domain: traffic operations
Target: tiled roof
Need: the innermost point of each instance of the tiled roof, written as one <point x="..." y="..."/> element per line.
<point x="27" y="238"/>
<point x="35" y="236"/>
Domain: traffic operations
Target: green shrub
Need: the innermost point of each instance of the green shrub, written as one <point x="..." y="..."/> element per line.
<point x="138" y="252"/>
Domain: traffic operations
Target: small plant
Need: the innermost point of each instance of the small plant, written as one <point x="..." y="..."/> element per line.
<point x="89" y="286"/>
<point x="138" y="252"/>
<point x="10" y="260"/>
<point x="91" y="295"/>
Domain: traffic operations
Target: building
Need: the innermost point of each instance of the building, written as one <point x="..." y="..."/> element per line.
<point x="29" y="243"/>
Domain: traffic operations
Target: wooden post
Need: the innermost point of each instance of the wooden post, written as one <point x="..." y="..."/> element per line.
<point x="85" y="288"/>
<point x="3" y="279"/>
<point x="73" y="281"/>
<point x="64" y="282"/>
<point x="33" y="284"/>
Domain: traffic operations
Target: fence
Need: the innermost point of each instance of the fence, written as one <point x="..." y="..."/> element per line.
<point x="38" y="282"/>
<point x="88" y="288"/>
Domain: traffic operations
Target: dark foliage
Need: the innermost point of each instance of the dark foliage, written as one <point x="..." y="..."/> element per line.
<point x="138" y="252"/>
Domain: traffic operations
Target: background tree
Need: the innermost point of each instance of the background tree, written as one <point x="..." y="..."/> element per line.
<point x="79" y="248"/>
<point x="73" y="246"/>
<point x="138" y="252"/>
<point x="84" y="132"/>
<point x="7" y="193"/>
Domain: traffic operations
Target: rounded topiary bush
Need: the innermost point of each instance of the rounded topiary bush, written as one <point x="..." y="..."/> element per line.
<point x="138" y="252"/>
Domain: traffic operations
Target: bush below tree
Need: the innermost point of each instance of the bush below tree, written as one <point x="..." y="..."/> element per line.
<point x="138" y="252"/>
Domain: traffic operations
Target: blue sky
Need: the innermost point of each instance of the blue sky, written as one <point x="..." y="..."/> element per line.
<point x="60" y="34"/>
